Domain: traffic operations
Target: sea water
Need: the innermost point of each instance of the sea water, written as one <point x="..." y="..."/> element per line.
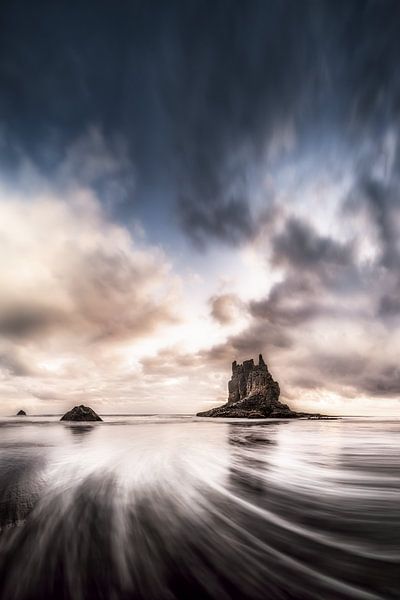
<point x="164" y="507"/>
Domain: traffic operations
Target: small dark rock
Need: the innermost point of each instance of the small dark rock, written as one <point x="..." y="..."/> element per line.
<point x="81" y="413"/>
<point x="21" y="413"/>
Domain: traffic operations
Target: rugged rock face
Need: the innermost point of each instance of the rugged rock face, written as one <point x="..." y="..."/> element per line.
<point x="252" y="394"/>
<point x="21" y="413"/>
<point x="81" y="413"/>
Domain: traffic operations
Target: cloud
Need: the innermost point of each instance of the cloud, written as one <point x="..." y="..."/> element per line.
<point x="13" y="365"/>
<point x="230" y="221"/>
<point x="374" y="199"/>
<point x="198" y="101"/>
<point x="353" y="374"/>
<point x="73" y="273"/>
<point x="225" y="308"/>
<point x="170" y="362"/>
<point x="258" y="337"/>
<point x="77" y="292"/>
<point x="101" y="164"/>
<point x="384" y="382"/>
<point x="299" y="246"/>
<point x="26" y="320"/>
<point x="329" y="310"/>
<point x="290" y="302"/>
<point x="378" y="199"/>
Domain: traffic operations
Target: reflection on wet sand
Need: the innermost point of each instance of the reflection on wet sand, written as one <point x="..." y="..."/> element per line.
<point x="185" y="509"/>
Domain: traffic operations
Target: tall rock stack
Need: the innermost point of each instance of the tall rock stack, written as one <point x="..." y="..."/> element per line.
<point x="253" y="393"/>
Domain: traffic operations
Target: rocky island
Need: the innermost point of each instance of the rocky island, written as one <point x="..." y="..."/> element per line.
<point x="253" y="394"/>
<point x="81" y="413"/>
<point x="21" y="413"/>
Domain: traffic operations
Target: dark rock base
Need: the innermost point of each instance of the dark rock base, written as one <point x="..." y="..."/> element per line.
<point x="81" y="413"/>
<point x="253" y="407"/>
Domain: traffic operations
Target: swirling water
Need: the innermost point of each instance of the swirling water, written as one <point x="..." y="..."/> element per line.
<point x="173" y="507"/>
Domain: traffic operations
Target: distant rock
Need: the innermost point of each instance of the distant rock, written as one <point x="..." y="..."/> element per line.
<point x="253" y="394"/>
<point x="81" y="413"/>
<point x="21" y="413"/>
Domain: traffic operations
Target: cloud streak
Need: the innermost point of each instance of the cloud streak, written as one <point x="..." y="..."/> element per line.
<point x="196" y="98"/>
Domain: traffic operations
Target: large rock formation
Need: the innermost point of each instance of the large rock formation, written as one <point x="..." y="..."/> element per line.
<point x="81" y="413"/>
<point x="21" y="413"/>
<point x="252" y="394"/>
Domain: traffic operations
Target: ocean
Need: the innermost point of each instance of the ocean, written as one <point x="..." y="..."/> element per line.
<point x="173" y="507"/>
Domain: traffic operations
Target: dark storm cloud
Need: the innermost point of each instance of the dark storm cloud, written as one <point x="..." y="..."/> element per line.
<point x="385" y="382"/>
<point x="389" y="305"/>
<point x="313" y="265"/>
<point x="27" y="320"/>
<point x="290" y="302"/>
<point x="355" y="372"/>
<point x="198" y="90"/>
<point x="299" y="246"/>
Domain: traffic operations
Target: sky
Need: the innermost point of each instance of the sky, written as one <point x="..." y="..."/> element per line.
<point x="188" y="183"/>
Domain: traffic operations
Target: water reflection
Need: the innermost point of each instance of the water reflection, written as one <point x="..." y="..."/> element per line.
<point x="249" y="457"/>
<point x="184" y="509"/>
<point x="79" y="429"/>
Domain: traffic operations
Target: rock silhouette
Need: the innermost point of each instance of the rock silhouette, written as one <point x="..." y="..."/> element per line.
<point x="253" y="393"/>
<point x="81" y="413"/>
<point x="21" y="413"/>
